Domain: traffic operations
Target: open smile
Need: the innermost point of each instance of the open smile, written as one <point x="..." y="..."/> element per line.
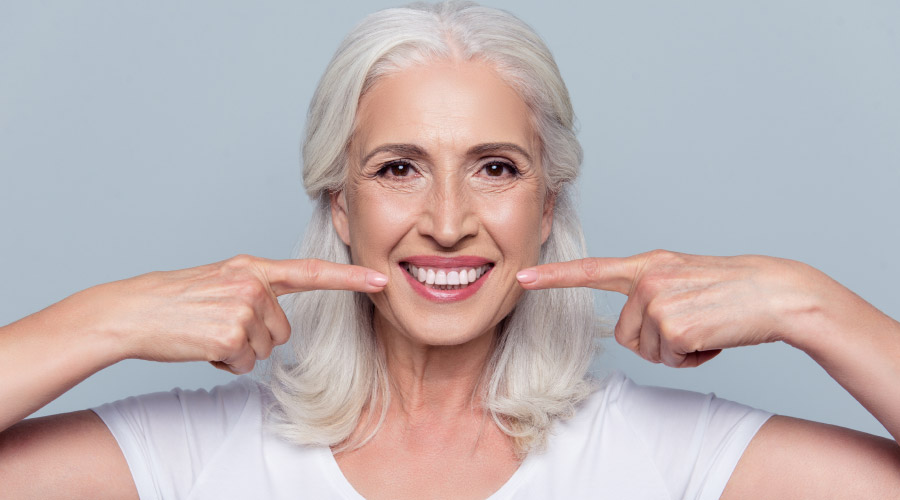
<point x="444" y="279"/>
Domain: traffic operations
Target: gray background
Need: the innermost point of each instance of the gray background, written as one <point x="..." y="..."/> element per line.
<point x="162" y="135"/>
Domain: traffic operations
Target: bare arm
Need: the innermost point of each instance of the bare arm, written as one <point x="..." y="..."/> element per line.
<point x="793" y="458"/>
<point x="67" y="456"/>
<point x="49" y="352"/>
<point x="683" y="309"/>
<point x="225" y="313"/>
<point x="858" y="346"/>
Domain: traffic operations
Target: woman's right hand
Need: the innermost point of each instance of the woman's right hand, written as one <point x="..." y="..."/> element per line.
<point x="226" y="313"/>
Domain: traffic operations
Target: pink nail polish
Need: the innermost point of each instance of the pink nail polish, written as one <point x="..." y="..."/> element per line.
<point x="527" y="276"/>
<point x="376" y="279"/>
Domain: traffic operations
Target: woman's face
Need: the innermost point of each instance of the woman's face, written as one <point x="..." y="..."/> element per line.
<point x="444" y="186"/>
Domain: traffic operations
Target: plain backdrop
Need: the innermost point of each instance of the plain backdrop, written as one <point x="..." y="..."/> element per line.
<point x="140" y="136"/>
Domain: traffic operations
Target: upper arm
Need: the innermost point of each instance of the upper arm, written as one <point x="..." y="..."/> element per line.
<point x="71" y="455"/>
<point x="793" y="458"/>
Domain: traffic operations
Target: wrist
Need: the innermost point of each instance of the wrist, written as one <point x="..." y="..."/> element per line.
<point x="90" y="326"/>
<point x="806" y="313"/>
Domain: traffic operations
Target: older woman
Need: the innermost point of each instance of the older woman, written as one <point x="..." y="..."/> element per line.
<point x="441" y="154"/>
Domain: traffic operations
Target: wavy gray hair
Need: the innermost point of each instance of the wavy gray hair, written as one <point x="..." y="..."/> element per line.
<point x="334" y="371"/>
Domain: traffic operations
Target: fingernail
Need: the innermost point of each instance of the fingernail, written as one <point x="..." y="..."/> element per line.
<point x="376" y="279"/>
<point x="527" y="276"/>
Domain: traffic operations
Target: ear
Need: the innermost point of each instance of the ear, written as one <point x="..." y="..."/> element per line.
<point x="339" y="216"/>
<point x="547" y="217"/>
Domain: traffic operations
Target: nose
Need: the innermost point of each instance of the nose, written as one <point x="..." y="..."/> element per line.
<point x="449" y="217"/>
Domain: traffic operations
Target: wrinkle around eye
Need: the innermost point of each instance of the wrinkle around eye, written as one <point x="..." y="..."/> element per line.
<point x="380" y="173"/>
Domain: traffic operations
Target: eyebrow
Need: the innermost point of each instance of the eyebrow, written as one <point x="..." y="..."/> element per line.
<point x="498" y="147"/>
<point x="412" y="150"/>
<point x="398" y="149"/>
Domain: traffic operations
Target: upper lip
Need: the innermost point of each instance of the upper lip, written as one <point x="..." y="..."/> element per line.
<point x="436" y="261"/>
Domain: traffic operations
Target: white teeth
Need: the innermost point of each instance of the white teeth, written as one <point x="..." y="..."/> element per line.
<point x="447" y="280"/>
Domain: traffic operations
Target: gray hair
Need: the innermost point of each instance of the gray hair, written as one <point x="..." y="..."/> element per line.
<point x="335" y="371"/>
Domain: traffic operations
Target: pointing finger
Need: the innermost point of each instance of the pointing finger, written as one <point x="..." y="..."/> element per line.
<point x="603" y="273"/>
<point x="301" y="275"/>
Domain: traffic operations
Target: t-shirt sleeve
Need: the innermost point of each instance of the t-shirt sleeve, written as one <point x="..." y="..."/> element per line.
<point x="696" y="439"/>
<point x="168" y="437"/>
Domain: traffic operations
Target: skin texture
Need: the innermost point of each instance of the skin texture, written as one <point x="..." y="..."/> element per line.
<point x="225" y="313"/>
<point x="684" y="309"/>
<point x="452" y="197"/>
<point x="681" y="310"/>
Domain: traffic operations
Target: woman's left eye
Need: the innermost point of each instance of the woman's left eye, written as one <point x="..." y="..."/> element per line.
<point x="396" y="169"/>
<point x="499" y="169"/>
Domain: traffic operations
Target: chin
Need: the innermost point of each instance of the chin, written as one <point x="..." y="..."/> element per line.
<point x="445" y="330"/>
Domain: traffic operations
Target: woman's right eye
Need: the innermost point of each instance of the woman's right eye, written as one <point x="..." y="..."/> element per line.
<point x="396" y="169"/>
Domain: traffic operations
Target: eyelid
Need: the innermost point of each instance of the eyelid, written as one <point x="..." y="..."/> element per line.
<point x="514" y="169"/>
<point x="383" y="167"/>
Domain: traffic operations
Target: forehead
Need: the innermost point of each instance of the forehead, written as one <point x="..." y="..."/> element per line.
<point x="452" y="104"/>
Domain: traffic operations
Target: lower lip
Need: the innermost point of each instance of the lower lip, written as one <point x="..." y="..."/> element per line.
<point x="435" y="295"/>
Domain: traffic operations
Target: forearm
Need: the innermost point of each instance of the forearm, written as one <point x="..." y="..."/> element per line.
<point x="859" y="346"/>
<point x="47" y="353"/>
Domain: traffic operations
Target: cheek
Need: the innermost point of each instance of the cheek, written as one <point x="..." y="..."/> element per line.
<point x="515" y="224"/>
<point x="377" y="224"/>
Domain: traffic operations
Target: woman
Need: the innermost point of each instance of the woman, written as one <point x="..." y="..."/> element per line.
<point x="445" y="177"/>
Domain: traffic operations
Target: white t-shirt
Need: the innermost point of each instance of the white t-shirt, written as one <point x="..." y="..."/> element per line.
<point x="625" y="442"/>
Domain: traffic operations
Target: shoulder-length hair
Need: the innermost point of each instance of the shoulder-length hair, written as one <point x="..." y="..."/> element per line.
<point x="334" y="370"/>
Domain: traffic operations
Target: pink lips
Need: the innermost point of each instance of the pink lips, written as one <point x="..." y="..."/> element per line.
<point x="436" y="295"/>
<point x="446" y="262"/>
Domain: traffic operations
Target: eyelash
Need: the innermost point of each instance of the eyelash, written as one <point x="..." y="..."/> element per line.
<point x="383" y="171"/>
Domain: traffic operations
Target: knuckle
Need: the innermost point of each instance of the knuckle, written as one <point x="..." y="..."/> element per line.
<point x="625" y="338"/>
<point x="591" y="268"/>
<point x="671" y="359"/>
<point x="251" y="290"/>
<point x="312" y="268"/>
<point x="679" y="336"/>
<point x="240" y="261"/>
<point x="658" y="254"/>
<point x="646" y="351"/>
<point x="231" y="341"/>
<point x="653" y="310"/>
<point x="668" y="328"/>
<point x="666" y="259"/>
<point x="282" y="333"/>
<point x="243" y="315"/>
<point x="619" y="333"/>
<point x="264" y="351"/>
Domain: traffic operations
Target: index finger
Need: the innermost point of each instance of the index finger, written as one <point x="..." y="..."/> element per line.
<point x="302" y="275"/>
<point x="615" y="274"/>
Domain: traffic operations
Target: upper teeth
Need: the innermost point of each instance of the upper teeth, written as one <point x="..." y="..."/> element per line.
<point x="447" y="278"/>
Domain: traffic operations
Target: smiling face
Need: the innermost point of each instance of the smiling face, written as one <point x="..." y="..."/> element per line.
<point x="445" y="194"/>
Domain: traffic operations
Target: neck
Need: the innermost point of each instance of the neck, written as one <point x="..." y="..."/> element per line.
<point x="434" y="382"/>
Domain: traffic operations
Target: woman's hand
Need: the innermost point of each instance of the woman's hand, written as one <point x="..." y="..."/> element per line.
<point x="684" y="309"/>
<point x="226" y="313"/>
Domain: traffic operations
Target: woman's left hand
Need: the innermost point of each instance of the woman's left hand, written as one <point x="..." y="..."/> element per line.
<point x="683" y="309"/>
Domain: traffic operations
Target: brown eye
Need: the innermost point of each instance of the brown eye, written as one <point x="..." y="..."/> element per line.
<point x="399" y="169"/>
<point x="396" y="169"/>
<point x="499" y="169"/>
